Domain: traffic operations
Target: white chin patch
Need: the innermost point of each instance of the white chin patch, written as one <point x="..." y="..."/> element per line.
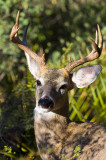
<point x="40" y="109"/>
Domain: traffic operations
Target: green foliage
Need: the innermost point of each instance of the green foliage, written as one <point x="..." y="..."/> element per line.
<point x="89" y="108"/>
<point x="52" y="24"/>
<point x="77" y="151"/>
<point x="76" y="154"/>
<point x="62" y="28"/>
<point x="7" y="151"/>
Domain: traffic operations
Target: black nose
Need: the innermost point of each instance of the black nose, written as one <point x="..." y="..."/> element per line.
<point x="45" y="102"/>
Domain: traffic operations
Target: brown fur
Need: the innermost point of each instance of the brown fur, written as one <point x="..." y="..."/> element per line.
<point x="57" y="137"/>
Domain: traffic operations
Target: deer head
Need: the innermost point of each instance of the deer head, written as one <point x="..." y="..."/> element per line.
<point x="53" y="84"/>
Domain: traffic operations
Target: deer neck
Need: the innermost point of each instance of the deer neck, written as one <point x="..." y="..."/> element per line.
<point x="50" y="127"/>
<point x="50" y="122"/>
<point x="56" y="118"/>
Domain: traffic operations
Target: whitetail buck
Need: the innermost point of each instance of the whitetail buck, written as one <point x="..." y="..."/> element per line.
<point x="56" y="136"/>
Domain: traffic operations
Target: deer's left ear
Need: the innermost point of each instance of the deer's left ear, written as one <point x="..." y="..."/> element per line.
<point x="84" y="76"/>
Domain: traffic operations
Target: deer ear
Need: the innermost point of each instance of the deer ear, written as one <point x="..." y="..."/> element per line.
<point x="33" y="66"/>
<point x="85" y="76"/>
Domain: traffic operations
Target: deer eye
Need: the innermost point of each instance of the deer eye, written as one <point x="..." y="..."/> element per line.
<point x="64" y="86"/>
<point x="38" y="83"/>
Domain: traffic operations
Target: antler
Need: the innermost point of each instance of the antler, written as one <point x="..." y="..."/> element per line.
<point x="22" y="44"/>
<point x="95" y="53"/>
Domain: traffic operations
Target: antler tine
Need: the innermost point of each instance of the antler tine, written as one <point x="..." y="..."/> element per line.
<point x="23" y="44"/>
<point x="95" y="53"/>
<point x="96" y="39"/>
<point x="100" y="38"/>
<point x="24" y="35"/>
<point x="17" y="18"/>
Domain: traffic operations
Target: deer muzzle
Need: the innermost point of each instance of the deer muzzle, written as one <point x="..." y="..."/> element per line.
<point x="46" y="103"/>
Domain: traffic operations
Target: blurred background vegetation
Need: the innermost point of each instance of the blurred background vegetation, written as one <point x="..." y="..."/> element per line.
<point x="61" y="28"/>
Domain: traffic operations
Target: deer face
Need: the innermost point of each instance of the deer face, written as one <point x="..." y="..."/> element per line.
<point x="51" y="89"/>
<point x="53" y="85"/>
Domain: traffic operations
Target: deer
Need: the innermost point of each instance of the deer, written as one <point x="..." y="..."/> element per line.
<point x="56" y="136"/>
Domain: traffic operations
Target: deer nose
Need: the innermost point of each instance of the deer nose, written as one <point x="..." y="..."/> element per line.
<point x="46" y="102"/>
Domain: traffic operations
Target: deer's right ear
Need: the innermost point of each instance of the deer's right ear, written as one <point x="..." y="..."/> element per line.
<point x="84" y="76"/>
<point x="33" y="66"/>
